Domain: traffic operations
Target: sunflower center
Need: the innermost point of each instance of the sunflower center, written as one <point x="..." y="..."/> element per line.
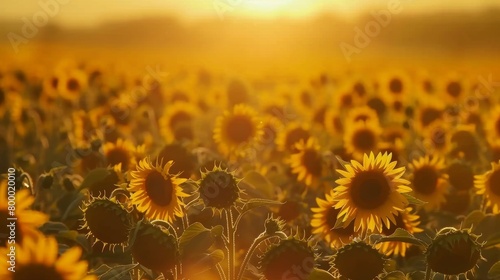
<point x="425" y="180"/>
<point x="331" y="220"/>
<point x="378" y="105"/>
<point x="305" y="98"/>
<point x="2" y="96"/>
<point x="312" y="162"/>
<point x="361" y="117"/>
<point x="118" y="155"/>
<point x="295" y="136"/>
<point x="428" y="87"/>
<point x="346" y="100"/>
<point x="396" y="86"/>
<point x="73" y="84"/>
<point x="319" y="116"/>
<point x="54" y="82"/>
<point x="239" y="129"/>
<point x="370" y="189"/>
<point x="429" y="115"/>
<point x="454" y="89"/>
<point x="360" y="89"/>
<point x="159" y="188"/>
<point x="494" y="182"/>
<point x="461" y="176"/>
<point x="364" y="140"/>
<point x="37" y="271"/>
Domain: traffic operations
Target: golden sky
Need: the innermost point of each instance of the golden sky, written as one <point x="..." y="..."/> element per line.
<point x="92" y="12"/>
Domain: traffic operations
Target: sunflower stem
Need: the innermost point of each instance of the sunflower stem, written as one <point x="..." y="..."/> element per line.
<point x="231" y="245"/>
<point x="428" y="273"/>
<point x="222" y="275"/>
<point x="256" y="242"/>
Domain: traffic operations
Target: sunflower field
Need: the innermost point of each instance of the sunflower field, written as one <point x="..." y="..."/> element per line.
<point x="247" y="161"/>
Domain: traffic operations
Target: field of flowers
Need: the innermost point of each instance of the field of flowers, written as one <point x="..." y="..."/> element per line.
<point x="115" y="169"/>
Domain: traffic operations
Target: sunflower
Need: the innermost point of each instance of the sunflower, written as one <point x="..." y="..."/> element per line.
<point x="177" y="121"/>
<point x="371" y="193"/>
<point x="362" y="137"/>
<point x="492" y="126"/>
<point x="358" y="261"/>
<point x="218" y="188"/>
<point x="465" y="143"/>
<point x="307" y="162"/>
<point x="237" y="130"/>
<point x="27" y="220"/>
<point x="156" y="192"/>
<point x="71" y="85"/>
<point x="428" y="111"/>
<point x="185" y="161"/>
<point x="363" y="113"/>
<point x="405" y="220"/>
<point x="37" y="258"/>
<point x="324" y="222"/>
<point x="395" y="84"/>
<point x="107" y="184"/>
<point x="436" y="138"/>
<point x="429" y="180"/>
<point x="334" y="123"/>
<point x="122" y="152"/>
<point x="454" y="87"/>
<point x="488" y="185"/>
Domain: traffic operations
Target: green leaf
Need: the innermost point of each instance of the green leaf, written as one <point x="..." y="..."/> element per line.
<point x="258" y="202"/>
<point x="320" y="274"/>
<point x="492" y="241"/>
<point x="101" y="270"/>
<point x="217" y="231"/>
<point x="473" y="219"/>
<point x="494" y="272"/>
<point x="93" y="177"/>
<point x="53" y="227"/>
<point x="402" y="235"/>
<point x="119" y="272"/>
<point x="416" y="275"/>
<point x="394" y="275"/>
<point x="195" y="239"/>
<point x="413" y="200"/>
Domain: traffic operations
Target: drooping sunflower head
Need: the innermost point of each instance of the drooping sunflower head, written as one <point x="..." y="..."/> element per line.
<point x="371" y="193"/>
<point x="405" y="220"/>
<point x="453" y="252"/>
<point x="110" y="182"/>
<point x="429" y="180"/>
<point x="290" y="258"/>
<point x="362" y="137"/>
<point x="324" y="223"/>
<point x="358" y="261"/>
<point x="156" y="192"/>
<point x="273" y="225"/>
<point x="237" y="130"/>
<point x="107" y="221"/>
<point x="307" y="162"/>
<point x="37" y="258"/>
<point x="488" y="184"/>
<point x="155" y="248"/>
<point x="218" y="188"/>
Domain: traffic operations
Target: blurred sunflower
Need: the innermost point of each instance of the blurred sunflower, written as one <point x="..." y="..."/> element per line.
<point x="324" y="221"/>
<point x="454" y="87"/>
<point x="488" y="185"/>
<point x="122" y="152"/>
<point x="465" y="143"/>
<point x="436" y="138"/>
<point x="395" y="84"/>
<point x="362" y="137"/>
<point x="176" y="124"/>
<point x="363" y="113"/>
<point x="27" y="220"/>
<point x="429" y="180"/>
<point x="156" y="192"/>
<point x="334" y="123"/>
<point x="428" y="111"/>
<point x="291" y="135"/>
<point x="71" y="84"/>
<point x="371" y="193"/>
<point x="237" y="130"/>
<point x="492" y="126"/>
<point x="37" y="258"/>
<point x="405" y="220"/>
<point x="307" y="162"/>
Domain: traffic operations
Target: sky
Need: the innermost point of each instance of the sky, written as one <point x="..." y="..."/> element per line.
<point x="83" y="13"/>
